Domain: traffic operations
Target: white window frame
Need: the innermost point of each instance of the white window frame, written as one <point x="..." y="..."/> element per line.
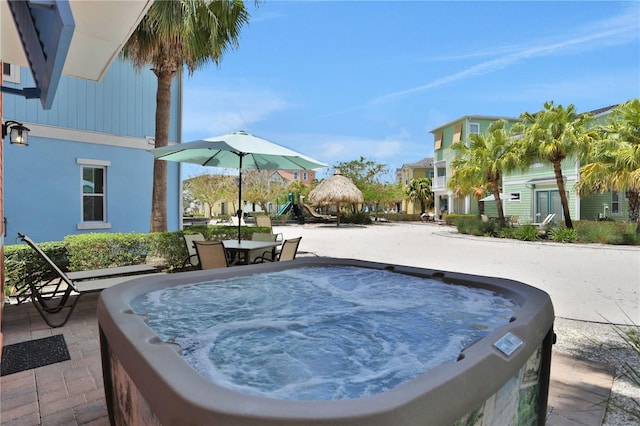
<point x="95" y="164"/>
<point x="14" y="73"/>
<point x="295" y="175"/>
<point x="305" y="176"/>
<point x="615" y="201"/>
<point x="515" y="197"/>
<point x="471" y="132"/>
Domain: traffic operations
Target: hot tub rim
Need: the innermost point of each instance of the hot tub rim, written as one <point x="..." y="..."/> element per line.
<point x="131" y="328"/>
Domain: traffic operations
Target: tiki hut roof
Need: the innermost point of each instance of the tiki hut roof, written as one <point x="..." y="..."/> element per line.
<point x="337" y="189"/>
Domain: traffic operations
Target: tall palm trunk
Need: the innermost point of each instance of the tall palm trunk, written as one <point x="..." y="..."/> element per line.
<point x="634" y="208"/>
<point x="159" y="196"/>
<point x="563" y="195"/>
<point x="495" y="190"/>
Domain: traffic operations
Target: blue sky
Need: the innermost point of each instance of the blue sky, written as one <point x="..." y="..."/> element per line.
<point x="340" y="80"/>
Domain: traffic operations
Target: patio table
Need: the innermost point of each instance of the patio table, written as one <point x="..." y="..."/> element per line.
<point x="239" y="251"/>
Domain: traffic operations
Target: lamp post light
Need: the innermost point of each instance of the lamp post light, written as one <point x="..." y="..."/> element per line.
<point x="18" y="134"/>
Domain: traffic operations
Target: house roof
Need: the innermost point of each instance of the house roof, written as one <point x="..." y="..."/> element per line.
<point x="602" y="111"/>
<point x="472" y="117"/>
<point x="101" y="30"/>
<point x="425" y="163"/>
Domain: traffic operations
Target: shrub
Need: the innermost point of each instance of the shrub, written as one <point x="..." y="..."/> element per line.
<point x="607" y="232"/>
<point x="527" y="233"/>
<point x="564" y="235"/>
<point x="360" y="218"/>
<point x="102" y="250"/>
<point x="507" y="232"/>
<point x="452" y="218"/>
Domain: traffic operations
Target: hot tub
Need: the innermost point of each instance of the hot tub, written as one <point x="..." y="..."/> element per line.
<point x="501" y="379"/>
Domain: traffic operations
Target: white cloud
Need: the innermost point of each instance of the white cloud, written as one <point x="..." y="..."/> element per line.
<point x="210" y="111"/>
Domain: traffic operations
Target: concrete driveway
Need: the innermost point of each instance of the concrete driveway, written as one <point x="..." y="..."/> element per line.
<point x="589" y="282"/>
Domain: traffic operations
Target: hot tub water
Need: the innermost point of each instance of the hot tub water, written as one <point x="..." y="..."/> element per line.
<point x="321" y="332"/>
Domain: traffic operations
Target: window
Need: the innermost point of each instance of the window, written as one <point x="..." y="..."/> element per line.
<point x="295" y="175"/>
<point x="93" y="192"/>
<point x="10" y="73"/>
<point x="457" y="132"/>
<point x="438" y="140"/>
<point x="474" y="128"/>
<point x="615" y="202"/>
<point x="305" y="177"/>
<point x="406" y="179"/>
<point x="514" y="196"/>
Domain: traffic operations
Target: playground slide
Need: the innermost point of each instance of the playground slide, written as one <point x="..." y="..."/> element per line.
<point x="284" y="209"/>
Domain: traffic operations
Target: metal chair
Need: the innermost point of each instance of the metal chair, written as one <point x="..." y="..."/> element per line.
<point x="287" y="252"/>
<point x="211" y="254"/>
<point x="191" y="262"/>
<point x="265" y="221"/>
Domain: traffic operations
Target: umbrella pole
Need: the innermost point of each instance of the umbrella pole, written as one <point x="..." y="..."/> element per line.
<point x="239" y="212"/>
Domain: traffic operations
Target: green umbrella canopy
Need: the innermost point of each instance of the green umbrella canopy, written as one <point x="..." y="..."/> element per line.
<point x="238" y="150"/>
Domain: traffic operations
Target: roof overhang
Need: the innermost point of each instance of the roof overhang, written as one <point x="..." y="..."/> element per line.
<point x="77" y="38"/>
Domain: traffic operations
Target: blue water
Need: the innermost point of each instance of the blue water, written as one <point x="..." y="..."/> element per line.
<point x="321" y="333"/>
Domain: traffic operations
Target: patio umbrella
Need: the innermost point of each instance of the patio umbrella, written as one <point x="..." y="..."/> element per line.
<point x="336" y="190"/>
<point x="238" y="150"/>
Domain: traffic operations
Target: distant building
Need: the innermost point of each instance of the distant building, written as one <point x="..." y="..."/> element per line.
<point x="420" y="169"/>
<point x="445" y="201"/>
<point x="530" y="195"/>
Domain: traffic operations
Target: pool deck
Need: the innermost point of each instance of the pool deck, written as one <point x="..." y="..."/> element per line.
<point x="71" y="392"/>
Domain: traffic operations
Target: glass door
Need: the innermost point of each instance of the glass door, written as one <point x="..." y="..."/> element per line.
<point x="548" y="202"/>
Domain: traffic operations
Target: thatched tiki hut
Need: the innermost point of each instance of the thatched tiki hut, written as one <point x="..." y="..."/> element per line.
<point x="336" y="190"/>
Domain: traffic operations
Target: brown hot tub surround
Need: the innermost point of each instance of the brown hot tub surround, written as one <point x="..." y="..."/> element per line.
<point x="498" y="379"/>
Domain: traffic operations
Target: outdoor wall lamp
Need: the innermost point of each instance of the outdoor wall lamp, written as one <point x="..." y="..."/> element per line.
<point x="18" y="134"/>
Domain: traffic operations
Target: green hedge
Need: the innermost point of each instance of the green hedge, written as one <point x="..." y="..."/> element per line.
<point x="103" y="250"/>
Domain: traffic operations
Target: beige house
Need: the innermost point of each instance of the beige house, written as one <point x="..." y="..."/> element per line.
<point x="409" y="171"/>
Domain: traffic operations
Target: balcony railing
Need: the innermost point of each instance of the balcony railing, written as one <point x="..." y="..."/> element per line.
<point x="439" y="182"/>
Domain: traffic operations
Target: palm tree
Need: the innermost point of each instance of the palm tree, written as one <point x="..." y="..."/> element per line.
<point x="552" y="135"/>
<point x="175" y="34"/>
<point x="420" y="190"/>
<point x="483" y="162"/>
<point x="615" y="158"/>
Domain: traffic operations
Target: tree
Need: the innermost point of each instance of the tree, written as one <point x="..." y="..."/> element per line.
<point x="365" y="175"/>
<point x="483" y="162"/>
<point x="172" y="35"/>
<point x="552" y="135"/>
<point x="259" y="189"/>
<point x="210" y="188"/>
<point x="386" y="194"/>
<point x="420" y="190"/>
<point x="614" y="158"/>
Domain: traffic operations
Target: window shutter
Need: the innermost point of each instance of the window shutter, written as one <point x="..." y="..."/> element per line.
<point x="457" y="132"/>
<point x="438" y="140"/>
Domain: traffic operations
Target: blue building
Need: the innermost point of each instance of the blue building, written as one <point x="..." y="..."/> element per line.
<point x="86" y="168"/>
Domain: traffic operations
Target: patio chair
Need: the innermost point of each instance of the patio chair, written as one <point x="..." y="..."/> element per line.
<point x="320" y="217"/>
<point x="51" y="291"/>
<point x="547" y="220"/>
<point x="261" y="236"/>
<point x="191" y="262"/>
<point x="265" y="221"/>
<point x="287" y="252"/>
<point x="211" y="254"/>
<point x="233" y="221"/>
